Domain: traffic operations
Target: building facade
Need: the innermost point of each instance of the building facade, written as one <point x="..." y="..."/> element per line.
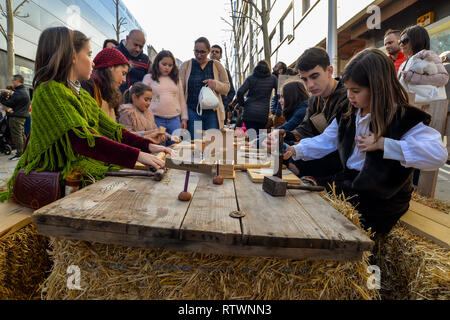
<point x="295" y="25"/>
<point x="94" y="18"/>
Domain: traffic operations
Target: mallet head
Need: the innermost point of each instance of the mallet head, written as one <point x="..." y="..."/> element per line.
<point x="158" y="175"/>
<point x="275" y="186"/>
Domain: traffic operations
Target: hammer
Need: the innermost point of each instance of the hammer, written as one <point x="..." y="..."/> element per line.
<point x="158" y="175"/>
<point x="275" y="186"/>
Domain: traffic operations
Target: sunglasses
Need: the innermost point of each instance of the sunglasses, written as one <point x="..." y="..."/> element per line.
<point x="404" y="41"/>
<point x="202" y="52"/>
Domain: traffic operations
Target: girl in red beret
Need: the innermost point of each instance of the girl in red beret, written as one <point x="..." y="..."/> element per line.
<point x="110" y="72"/>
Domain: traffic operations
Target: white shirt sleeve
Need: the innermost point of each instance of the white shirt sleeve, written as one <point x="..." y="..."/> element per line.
<point x="420" y="148"/>
<point x="318" y="146"/>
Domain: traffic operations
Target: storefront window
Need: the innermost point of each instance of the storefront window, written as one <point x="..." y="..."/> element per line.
<point x="27" y="73"/>
<point x="440" y="41"/>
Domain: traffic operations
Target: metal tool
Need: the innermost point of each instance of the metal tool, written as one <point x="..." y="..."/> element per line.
<point x="158" y="175"/>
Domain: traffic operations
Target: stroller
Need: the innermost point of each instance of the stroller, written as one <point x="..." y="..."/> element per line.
<point x="6" y="145"/>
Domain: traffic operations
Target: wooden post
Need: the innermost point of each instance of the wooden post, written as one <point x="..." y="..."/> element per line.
<point x="428" y="179"/>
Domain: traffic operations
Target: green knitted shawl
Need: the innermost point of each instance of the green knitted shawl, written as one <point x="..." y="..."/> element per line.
<point x="56" y="110"/>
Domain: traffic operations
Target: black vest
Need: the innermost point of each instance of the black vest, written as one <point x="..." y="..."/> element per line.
<point x="382" y="177"/>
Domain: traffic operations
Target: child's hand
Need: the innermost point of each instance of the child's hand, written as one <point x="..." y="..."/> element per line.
<point x="368" y="143"/>
<point x="184" y="124"/>
<point x="289" y="153"/>
<point x="155" y="148"/>
<point x="158" y="137"/>
<point x="175" y="139"/>
<point x="150" y="160"/>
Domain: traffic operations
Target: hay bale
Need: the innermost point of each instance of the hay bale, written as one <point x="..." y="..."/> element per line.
<point x="411" y="268"/>
<point x="115" y="272"/>
<point x="23" y="264"/>
<point x="414" y="268"/>
<point x="432" y="203"/>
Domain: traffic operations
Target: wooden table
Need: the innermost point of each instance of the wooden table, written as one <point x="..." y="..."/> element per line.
<point x="144" y="213"/>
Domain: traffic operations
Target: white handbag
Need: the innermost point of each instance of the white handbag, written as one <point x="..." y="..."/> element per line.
<point x="207" y="100"/>
<point x="424" y="93"/>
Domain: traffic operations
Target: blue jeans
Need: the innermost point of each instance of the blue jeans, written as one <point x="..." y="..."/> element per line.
<point x="170" y="124"/>
<point x="27" y="126"/>
<point x="209" y="120"/>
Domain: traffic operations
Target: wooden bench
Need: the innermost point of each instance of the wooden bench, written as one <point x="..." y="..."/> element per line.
<point x="438" y="111"/>
<point x="428" y="222"/>
<point x="13" y="217"/>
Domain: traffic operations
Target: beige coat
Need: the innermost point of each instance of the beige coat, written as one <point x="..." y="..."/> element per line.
<point x="222" y="85"/>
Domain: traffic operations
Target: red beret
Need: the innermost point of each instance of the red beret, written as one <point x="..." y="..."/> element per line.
<point x="109" y="57"/>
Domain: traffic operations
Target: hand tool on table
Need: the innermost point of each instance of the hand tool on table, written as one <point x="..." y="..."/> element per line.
<point x="275" y="186"/>
<point x="158" y="175"/>
<point x="218" y="179"/>
<point x="185" y="195"/>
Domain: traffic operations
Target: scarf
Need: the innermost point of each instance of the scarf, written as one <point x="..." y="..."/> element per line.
<point x="57" y="110"/>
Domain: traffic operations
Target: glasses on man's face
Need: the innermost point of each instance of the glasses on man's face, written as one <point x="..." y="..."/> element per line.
<point x="404" y="41"/>
<point x="200" y="52"/>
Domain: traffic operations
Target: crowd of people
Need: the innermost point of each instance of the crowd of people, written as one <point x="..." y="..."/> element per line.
<point x="359" y="131"/>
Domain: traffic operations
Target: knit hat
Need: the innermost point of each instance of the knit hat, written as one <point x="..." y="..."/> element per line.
<point x="109" y="57"/>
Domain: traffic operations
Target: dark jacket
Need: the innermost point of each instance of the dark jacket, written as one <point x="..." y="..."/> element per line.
<point x="259" y="87"/>
<point x="140" y="66"/>
<point x="383" y="178"/>
<point x="336" y="103"/>
<point x="297" y="118"/>
<point x="275" y="107"/>
<point x="19" y="102"/>
<point x="229" y="97"/>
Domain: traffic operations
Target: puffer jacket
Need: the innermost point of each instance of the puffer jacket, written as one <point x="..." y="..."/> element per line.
<point x="259" y="88"/>
<point x="439" y="79"/>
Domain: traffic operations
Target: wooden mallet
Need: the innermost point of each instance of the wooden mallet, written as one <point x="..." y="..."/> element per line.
<point x="275" y="186"/>
<point x="218" y="179"/>
<point x="185" y="195"/>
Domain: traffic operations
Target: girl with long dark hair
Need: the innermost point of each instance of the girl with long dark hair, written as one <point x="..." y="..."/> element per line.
<point x="168" y="104"/>
<point x="294" y="102"/>
<point x="380" y="139"/>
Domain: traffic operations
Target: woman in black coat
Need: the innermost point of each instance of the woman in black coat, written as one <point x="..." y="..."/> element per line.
<point x="259" y="88"/>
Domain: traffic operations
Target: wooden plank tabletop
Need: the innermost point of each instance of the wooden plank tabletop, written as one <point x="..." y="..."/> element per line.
<point x="13" y="217"/>
<point x="144" y="213"/>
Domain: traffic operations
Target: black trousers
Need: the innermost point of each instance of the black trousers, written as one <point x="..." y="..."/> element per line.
<point x="381" y="215"/>
<point x="323" y="170"/>
<point x="255" y="126"/>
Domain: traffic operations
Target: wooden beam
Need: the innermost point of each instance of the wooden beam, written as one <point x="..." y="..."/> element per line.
<point x="428" y="179"/>
<point x="429" y="223"/>
<point x="387" y="12"/>
<point x="13" y="217"/>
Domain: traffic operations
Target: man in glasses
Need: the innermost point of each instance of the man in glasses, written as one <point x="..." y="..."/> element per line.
<point x="216" y="54"/>
<point x="391" y="41"/>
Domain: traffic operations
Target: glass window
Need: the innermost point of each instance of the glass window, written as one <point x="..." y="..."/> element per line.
<point x="440" y="42"/>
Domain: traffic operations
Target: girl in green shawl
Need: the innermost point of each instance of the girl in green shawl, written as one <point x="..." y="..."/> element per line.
<point x="69" y="131"/>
